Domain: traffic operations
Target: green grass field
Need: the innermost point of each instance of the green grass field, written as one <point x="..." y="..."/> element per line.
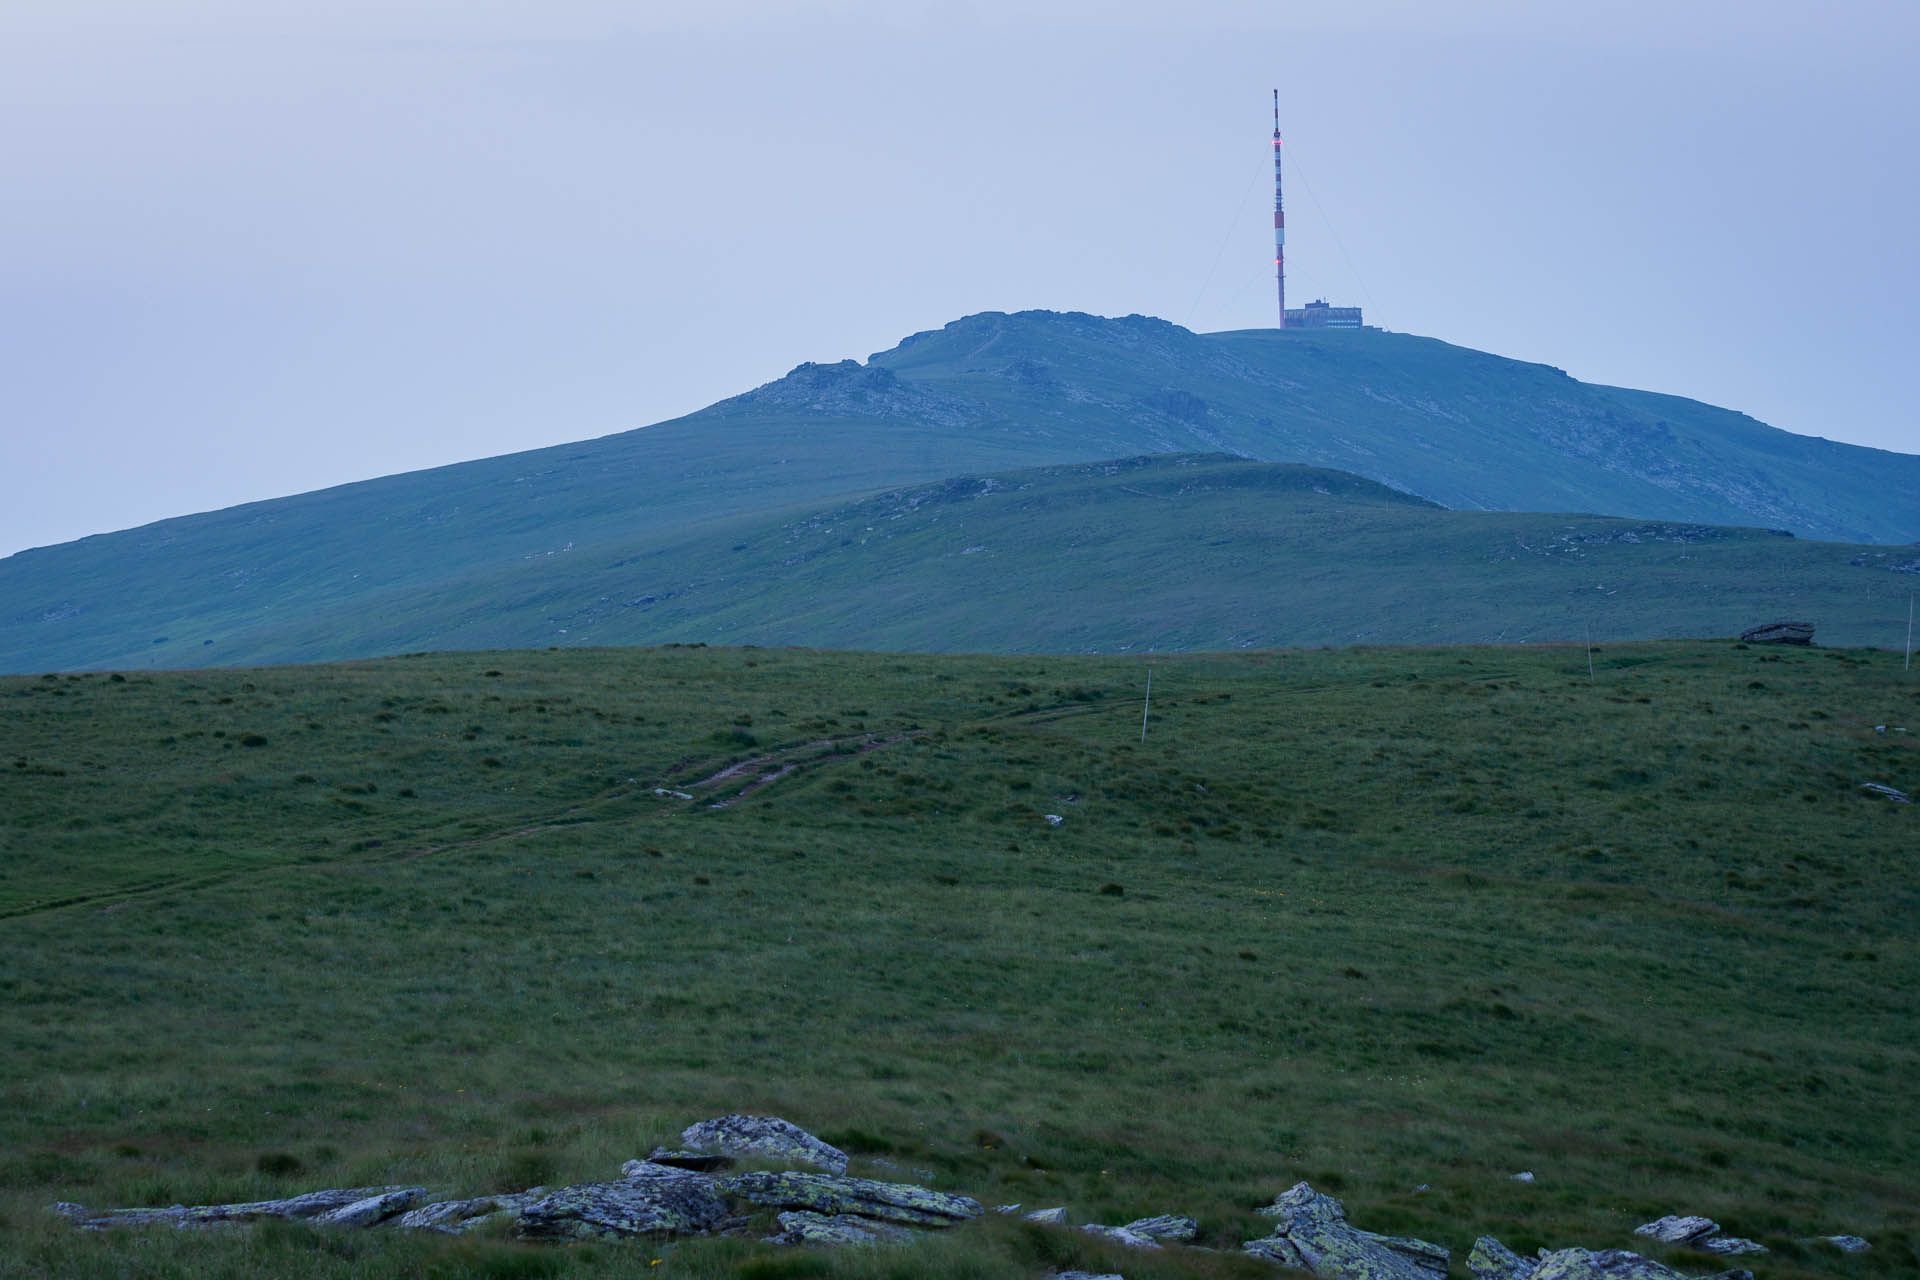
<point x="1376" y="918"/>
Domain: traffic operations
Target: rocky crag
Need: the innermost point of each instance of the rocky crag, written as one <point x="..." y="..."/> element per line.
<point x="690" y="1192"/>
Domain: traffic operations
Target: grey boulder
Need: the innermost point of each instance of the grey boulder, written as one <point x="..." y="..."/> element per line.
<point x="455" y="1216"/>
<point x="1167" y="1228"/>
<point x="1121" y="1235"/>
<point x="1055" y="1217"/>
<point x="1611" y="1264"/>
<point x="312" y="1204"/>
<point x="769" y="1137"/>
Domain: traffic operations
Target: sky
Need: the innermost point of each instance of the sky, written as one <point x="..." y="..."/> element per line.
<point x="252" y="247"/>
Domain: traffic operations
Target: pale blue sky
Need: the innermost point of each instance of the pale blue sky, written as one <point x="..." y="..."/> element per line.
<point x="248" y="250"/>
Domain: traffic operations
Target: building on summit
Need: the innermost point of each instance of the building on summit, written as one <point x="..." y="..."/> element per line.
<point x="1318" y="315"/>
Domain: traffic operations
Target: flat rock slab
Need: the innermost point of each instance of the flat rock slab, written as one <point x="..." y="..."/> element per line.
<point x="662" y="1201"/>
<point x="375" y="1209"/>
<point x="825" y="1193"/>
<point x="1167" y="1228"/>
<point x="1779" y="633"/>
<point x="455" y="1216"/>
<point x="1311" y="1233"/>
<point x="767" y="1136"/>
<point x="312" y="1204"/>
<point x="1055" y="1217"/>
<point x="803" y="1226"/>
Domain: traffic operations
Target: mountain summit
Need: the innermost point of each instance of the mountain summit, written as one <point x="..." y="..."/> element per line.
<point x="495" y="551"/>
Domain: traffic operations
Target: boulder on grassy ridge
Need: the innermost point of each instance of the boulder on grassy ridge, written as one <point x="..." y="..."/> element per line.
<point x="899" y="1202"/>
<point x="1312" y="1234"/>
<point x="658" y="1201"/>
<point x="1491" y="1260"/>
<point x="767" y="1136"/>
<point x="804" y="1226"/>
<point x="1674" y="1229"/>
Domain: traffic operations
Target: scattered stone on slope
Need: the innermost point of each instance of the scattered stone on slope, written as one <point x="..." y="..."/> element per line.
<point x="657" y="1201"/>
<point x="1491" y="1260"/>
<point x="310" y="1205"/>
<point x="1892" y="793"/>
<point x="1121" y="1235"/>
<point x="804" y="1226"/>
<point x="767" y="1136"/>
<point x="899" y="1202"/>
<point x="1674" y="1229"/>
<point x="1055" y="1217"/>
<point x="1166" y="1228"/>
<point x="454" y="1216"/>
<point x="1779" y="633"/>
<point x="1088" y="1275"/>
<point x="1006" y="1208"/>
<point x="1312" y="1234"/>
<point x="375" y="1209"/>
<point x="1526" y="1175"/>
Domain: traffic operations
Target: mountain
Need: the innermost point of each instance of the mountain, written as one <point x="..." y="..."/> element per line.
<point x="494" y="551"/>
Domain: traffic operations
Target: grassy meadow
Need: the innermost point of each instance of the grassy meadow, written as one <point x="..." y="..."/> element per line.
<point x="1401" y="922"/>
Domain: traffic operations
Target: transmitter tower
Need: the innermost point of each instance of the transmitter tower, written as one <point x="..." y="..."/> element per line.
<point x="1279" y="217"/>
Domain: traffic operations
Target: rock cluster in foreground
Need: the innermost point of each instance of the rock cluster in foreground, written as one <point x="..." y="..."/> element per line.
<point x="688" y="1192"/>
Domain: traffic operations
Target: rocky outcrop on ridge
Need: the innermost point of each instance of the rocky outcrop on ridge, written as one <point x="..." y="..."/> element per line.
<point x="682" y="1194"/>
<point x="1779" y="633"/>
<point x="1311" y="1234"/>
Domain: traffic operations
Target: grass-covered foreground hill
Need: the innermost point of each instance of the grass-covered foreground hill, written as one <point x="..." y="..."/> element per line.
<point x="428" y="554"/>
<point x="1399" y="922"/>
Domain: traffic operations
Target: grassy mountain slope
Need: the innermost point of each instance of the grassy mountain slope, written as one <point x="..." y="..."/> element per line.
<point x="1156" y="553"/>
<point x="987" y="393"/>
<point x="1399" y="922"/>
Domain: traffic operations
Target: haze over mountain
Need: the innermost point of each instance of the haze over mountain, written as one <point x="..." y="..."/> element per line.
<point x="501" y="551"/>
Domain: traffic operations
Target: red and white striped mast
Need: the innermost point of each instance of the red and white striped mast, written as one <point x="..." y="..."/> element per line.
<point x="1279" y="217"/>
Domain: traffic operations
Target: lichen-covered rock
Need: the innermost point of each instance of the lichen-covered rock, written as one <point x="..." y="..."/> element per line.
<point x="1674" y="1229"/>
<point x="372" y="1210"/>
<point x="899" y="1202"/>
<point x="660" y="1201"/>
<point x="1120" y="1235"/>
<point x="1166" y="1228"/>
<point x="766" y="1136"/>
<point x="1602" y="1264"/>
<point x="1311" y="1233"/>
<point x="1491" y="1260"/>
<point x="1055" y="1217"/>
<point x="803" y="1226"/>
<point x="454" y="1216"/>
<point x="1730" y="1246"/>
<point x="698" y="1161"/>
<point x="312" y="1204"/>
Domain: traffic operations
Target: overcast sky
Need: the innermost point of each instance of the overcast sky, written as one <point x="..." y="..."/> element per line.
<point x="254" y="247"/>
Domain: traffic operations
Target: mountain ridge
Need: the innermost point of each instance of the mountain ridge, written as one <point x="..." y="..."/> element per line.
<point x="990" y="393"/>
